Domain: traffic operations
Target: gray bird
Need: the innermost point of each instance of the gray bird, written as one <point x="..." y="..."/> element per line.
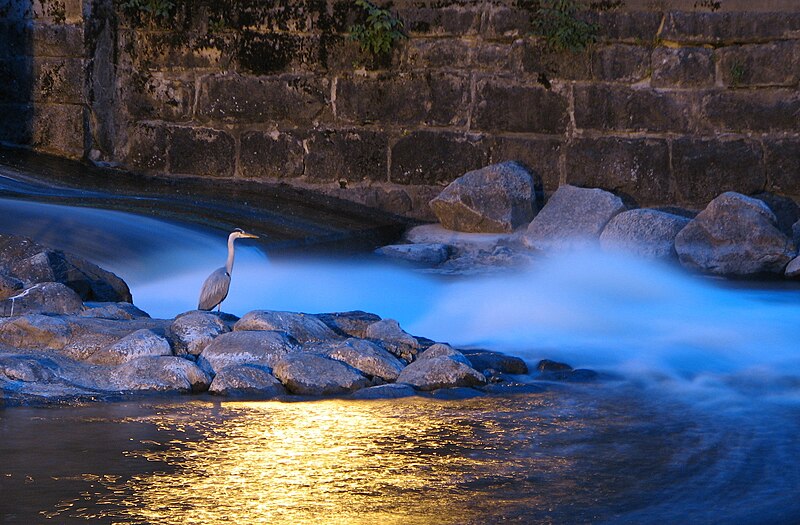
<point x="215" y="289"/>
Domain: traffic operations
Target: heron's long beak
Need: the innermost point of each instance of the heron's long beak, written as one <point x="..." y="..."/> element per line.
<point x="249" y="236"/>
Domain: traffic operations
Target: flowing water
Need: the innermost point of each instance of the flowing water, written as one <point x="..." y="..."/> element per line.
<point x="697" y="420"/>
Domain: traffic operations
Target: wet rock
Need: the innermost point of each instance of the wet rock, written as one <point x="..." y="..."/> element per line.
<point x="390" y="391"/>
<point x="117" y="311"/>
<point x="786" y="210"/>
<point x="546" y="365"/>
<point x="246" y="381"/>
<point x="793" y="269"/>
<point x="644" y="233"/>
<point x="35" y="331"/>
<point x="461" y="243"/>
<point x="431" y="254"/>
<point x="303" y="327"/>
<point x="141" y="343"/>
<point x="28" y="369"/>
<point x="89" y="335"/>
<point x="573" y="218"/>
<point x="443" y="350"/>
<point x="51" y="298"/>
<point x="497" y="198"/>
<point x="393" y="338"/>
<point x="440" y="372"/>
<point x="734" y="235"/>
<point x="349" y="324"/>
<point x="456" y="393"/>
<point x="316" y="375"/>
<point x="161" y="374"/>
<point x="9" y="286"/>
<point x="483" y="359"/>
<point x="193" y="331"/>
<point x="261" y="347"/>
<point x="555" y="371"/>
<point x="366" y="357"/>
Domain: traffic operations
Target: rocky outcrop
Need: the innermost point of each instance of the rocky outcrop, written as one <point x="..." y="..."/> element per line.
<point x="141" y="343"/>
<point x="572" y="218"/>
<point x="263" y="348"/>
<point x="316" y="375"/>
<point x="644" y="233"/>
<point x="9" y="286"/>
<point x="483" y="360"/>
<point x="303" y="327"/>
<point x="349" y="324"/>
<point x="160" y="374"/>
<point x="49" y="297"/>
<point x="193" y="331"/>
<point x="497" y="198"/>
<point x="440" y="372"/>
<point x="394" y="339"/>
<point x="249" y="381"/>
<point x="366" y="357"/>
<point x="734" y="235"/>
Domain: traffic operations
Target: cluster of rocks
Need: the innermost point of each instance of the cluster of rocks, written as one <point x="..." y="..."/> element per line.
<point x="497" y="210"/>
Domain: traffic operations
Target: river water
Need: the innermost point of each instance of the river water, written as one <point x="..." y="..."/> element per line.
<point x="696" y="420"/>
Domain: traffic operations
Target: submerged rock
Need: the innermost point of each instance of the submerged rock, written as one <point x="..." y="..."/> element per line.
<point x="367" y="357"/>
<point x="440" y="372"/>
<point x="734" y="235"/>
<point x="141" y="343"/>
<point x="388" y="333"/>
<point x="484" y="359"/>
<point x="317" y="375"/>
<point x="555" y="371"/>
<point x="303" y="327"/>
<point x="390" y="391"/>
<point x="260" y="347"/>
<point x="42" y="298"/>
<point x="644" y="233"/>
<point x="497" y="198"/>
<point x="429" y="254"/>
<point x="349" y="324"/>
<point x="572" y="218"/>
<point x="246" y="381"/>
<point x="193" y="331"/>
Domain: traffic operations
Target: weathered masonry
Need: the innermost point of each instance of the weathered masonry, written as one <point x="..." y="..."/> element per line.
<point x="674" y="103"/>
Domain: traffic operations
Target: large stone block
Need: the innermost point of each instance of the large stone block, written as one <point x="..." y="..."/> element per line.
<point x="782" y="161"/>
<point x="758" y="110"/>
<point x="269" y="53"/>
<point x="733" y="26"/>
<point x="615" y="107"/>
<point x="509" y="106"/>
<point x="176" y="50"/>
<point x="426" y="53"/>
<point x="458" y="18"/>
<point x="436" y="157"/>
<point x="59" y="80"/>
<point x="290" y="98"/>
<point x="147" y="147"/>
<point x="621" y="63"/>
<point x="429" y="98"/>
<point x="638" y="168"/>
<point x="62" y="40"/>
<point x="158" y="96"/>
<point x="271" y="155"/>
<point x="349" y="155"/>
<point x="770" y="64"/>
<point x="703" y="169"/>
<point x="536" y="58"/>
<point x="201" y="151"/>
<point x="504" y="22"/>
<point x="683" y="67"/>
<point x="629" y="26"/>
<point x="542" y="155"/>
<point x="59" y="129"/>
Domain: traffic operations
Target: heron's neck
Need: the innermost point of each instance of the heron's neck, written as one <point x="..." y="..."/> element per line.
<point x="229" y="263"/>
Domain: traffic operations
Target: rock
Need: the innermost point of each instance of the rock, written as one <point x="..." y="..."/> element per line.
<point x="141" y="343"/>
<point x="390" y="391"/>
<point x="573" y="218"/>
<point x="193" y="331"/>
<point x="117" y="311"/>
<point x="316" y="375"/>
<point x="555" y="371"/>
<point x="89" y="335"/>
<point x="9" y="286"/>
<point x="162" y="374"/>
<point x="366" y="357"/>
<point x="246" y="381"/>
<point x="303" y="327"/>
<point x="35" y="331"/>
<point x="483" y="359"/>
<point x="497" y="198"/>
<point x="546" y="365"/>
<point x="645" y="233"/>
<point x="262" y="347"/>
<point x="443" y="350"/>
<point x="456" y="393"/>
<point x="28" y="369"/>
<point x="461" y="243"/>
<point x="440" y="372"/>
<point x="349" y="324"/>
<point x="734" y="235"/>
<point x="50" y="298"/>
<point x="793" y="268"/>
<point x="796" y="234"/>
<point x="786" y="210"/>
<point x="431" y="254"/>
<point x="393" y="338"/>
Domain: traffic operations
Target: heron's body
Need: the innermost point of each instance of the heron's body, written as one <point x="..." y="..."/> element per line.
<point x="215" y="288"/>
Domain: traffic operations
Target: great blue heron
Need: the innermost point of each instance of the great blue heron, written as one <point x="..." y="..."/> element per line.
<point x="215" y="289"/>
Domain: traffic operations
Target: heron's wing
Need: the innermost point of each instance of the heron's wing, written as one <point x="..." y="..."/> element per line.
<point x="214" y="290"/>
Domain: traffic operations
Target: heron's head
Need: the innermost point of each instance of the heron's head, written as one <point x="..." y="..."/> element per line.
<point x="239" y="233"/>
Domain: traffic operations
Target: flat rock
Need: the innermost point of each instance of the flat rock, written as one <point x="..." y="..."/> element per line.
<point x="440" y="372"/>
<point x="393" y="338"/>
<point x="734" y="235"/>
<point x="390" y="391"/>
<point x="317" y="375"/>
<point x="366" y="357"/>
<point x="246" y="381"/>
<point x="429" y="254"/>
<point x="141" y="343"/>
<point x="118" y="311"/>
<point x="644" y="233"/>
<point x="303" y="327"/>
<point x="483" y="359"/>
<point x="793" y="269"/>
<point x="497" y="198"/>
<point x="461" y="243"/>
<point x="193" y="331"/>
<point x="35" y="331"/>
<point x="161" y="374"/>
<point x="259" y="347"/>
<point x="42" y="298"/>
<point x="349" y="324"/>
<point x="573" y="218"/>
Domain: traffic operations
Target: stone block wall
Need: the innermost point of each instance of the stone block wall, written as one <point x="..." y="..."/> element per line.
<point x="676" y="102"/>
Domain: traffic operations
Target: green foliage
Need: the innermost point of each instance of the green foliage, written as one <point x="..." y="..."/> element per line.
<point x="379" y="32"/>
<point x="148" y="8"/>
<point x="557" y="22"/>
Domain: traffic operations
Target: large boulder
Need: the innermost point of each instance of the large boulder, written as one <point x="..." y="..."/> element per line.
<point x="734" y="235"/>
<point x="484" y="359"/>
<point x="443" y="350"/>
<point x="388" y="333"/>
<point x="303" y="327"/>
<point x="366" y="357"/>
<point x="317" y="375"/>
<point x="349" y="324"/>
<point x="191" y="332"/>
<point x="35" y="332"/>
<point x="161" y="374"/>
<point x="263" y="348"/>
<point x="573" y="218"/>
<point x="116" y="311"/>
<point x="440" y="372"/>
<point x="497" y="198"/>
<point x="141" y="343"/>
<point x="246" y="381"/>
<point x="645" y="233"/>
<point x="42" y="298"/>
